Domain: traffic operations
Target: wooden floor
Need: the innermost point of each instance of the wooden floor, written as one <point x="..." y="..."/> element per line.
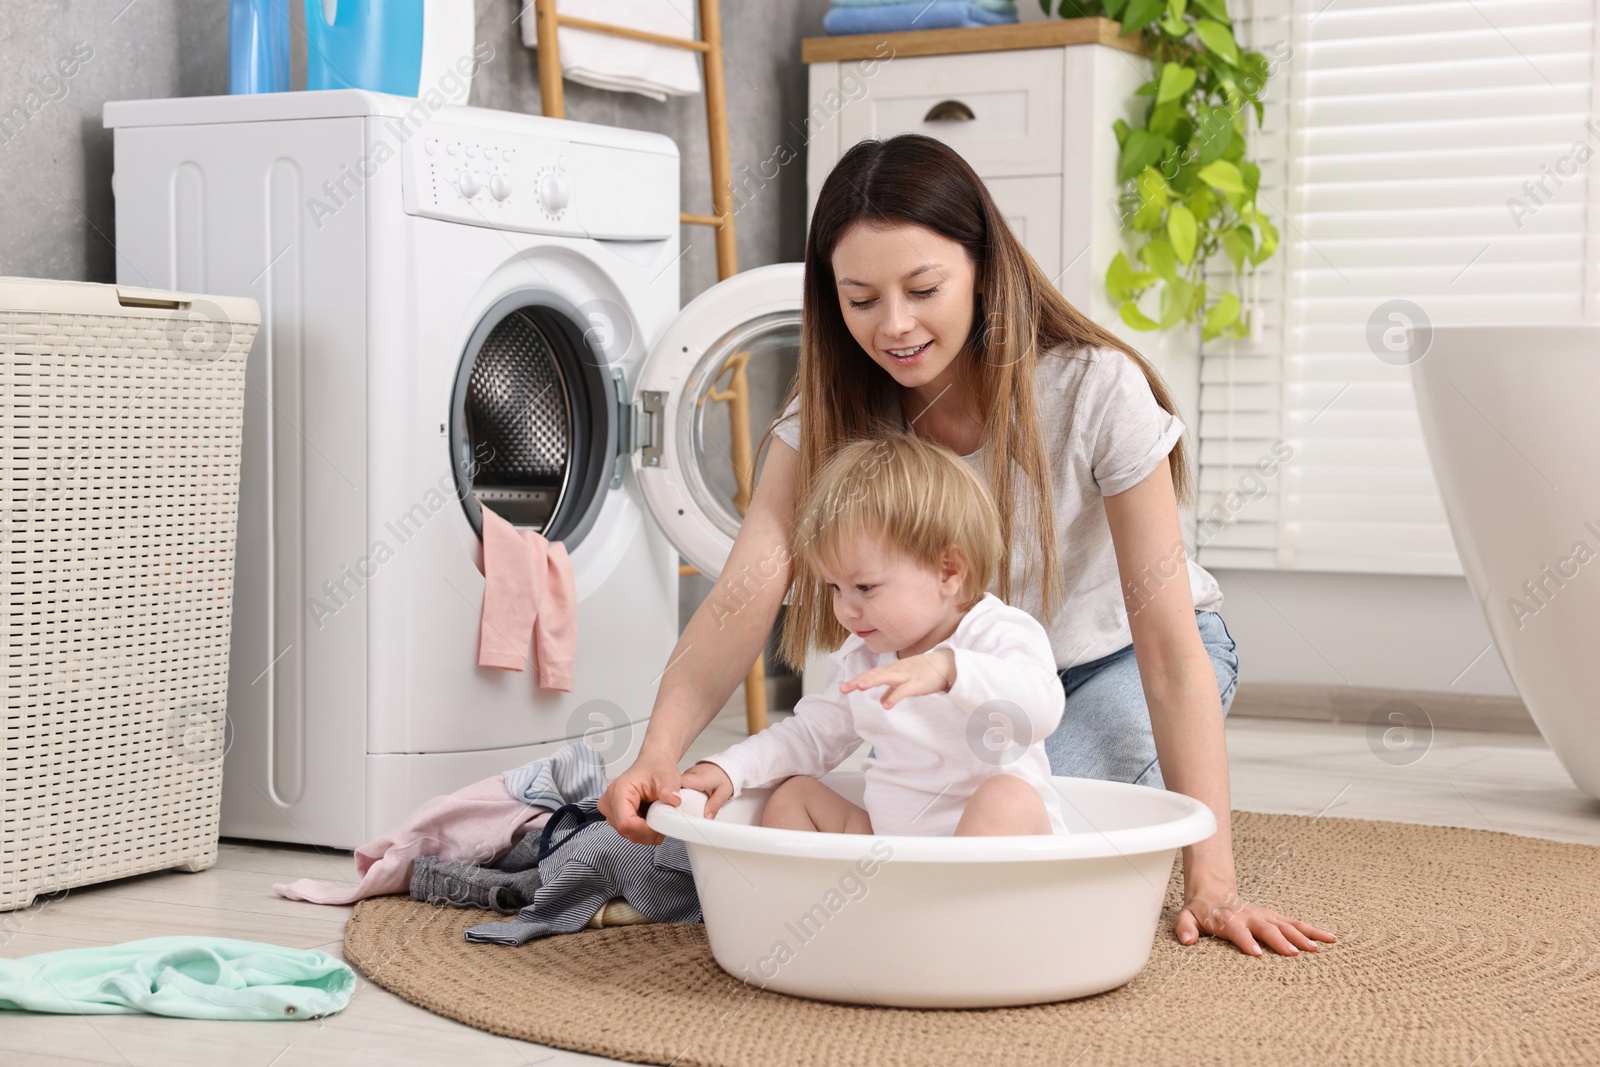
<point x="1506" y="782"/>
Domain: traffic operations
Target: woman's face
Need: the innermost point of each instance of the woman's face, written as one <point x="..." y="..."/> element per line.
<point x="906" y="294"/>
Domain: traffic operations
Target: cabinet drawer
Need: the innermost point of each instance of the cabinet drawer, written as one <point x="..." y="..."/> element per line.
<point x="1015" y="99"/>
<point x="1032" y="208"/>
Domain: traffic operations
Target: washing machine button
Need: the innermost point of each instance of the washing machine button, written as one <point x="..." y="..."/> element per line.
<point x="472" y="151"/>
<point x="469" y="184"/>
<point x="453" y="148"/>
<point x="555" y="192"/>
<point x="500" y="186"/>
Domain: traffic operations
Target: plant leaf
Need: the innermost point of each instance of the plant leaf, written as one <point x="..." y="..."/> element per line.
<point x="1217" y="9"/>
<point x="1143" y="149"/>
<point x="1159" y="257"/>
<point x="1164" y="119"/>
<point x="1137" y="319"/>
<point x="1181" y="232"/>
<point x="1218" y="40"/>
<point x="1222" y="176"/>
<point x="1224" y="313"/>
<point x="1122" y="130"/>
<point x="1140" y="13"/>
<point x="1250" y="174"/>
<point x="1269" y="240"/>
<point x="1119" y="278"/>
<point x="1178" y="28"/>
<point x="1175" y="8"/>
<point x="1113" y="8"/>
<point x="1175" y="81"/>
<point x="1215" y="131"/>
<point x="1236" y="243"/>
<point x="1176" y="296"/>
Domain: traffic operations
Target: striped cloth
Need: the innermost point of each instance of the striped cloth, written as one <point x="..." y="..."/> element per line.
<point x="589" y="866"/>
<point x="570" y="773"/>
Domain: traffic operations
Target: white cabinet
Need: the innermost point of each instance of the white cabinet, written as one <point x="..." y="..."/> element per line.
<point x="1034" y="123"/>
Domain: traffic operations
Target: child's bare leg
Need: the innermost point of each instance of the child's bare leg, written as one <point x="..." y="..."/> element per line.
<point x="803" y="803"/>
<point x="1004" y="804"/>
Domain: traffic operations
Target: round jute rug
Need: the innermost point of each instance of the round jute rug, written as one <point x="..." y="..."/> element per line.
<point x="1455" y="946"/>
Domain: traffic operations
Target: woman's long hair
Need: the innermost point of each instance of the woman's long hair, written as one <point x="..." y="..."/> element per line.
<point x="1019" y="316"/>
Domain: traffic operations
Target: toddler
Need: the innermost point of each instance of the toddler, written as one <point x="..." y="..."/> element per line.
<point x="954" y="689"/>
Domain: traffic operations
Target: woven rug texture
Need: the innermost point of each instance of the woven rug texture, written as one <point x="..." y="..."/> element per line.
<point x="1463" y="947"/>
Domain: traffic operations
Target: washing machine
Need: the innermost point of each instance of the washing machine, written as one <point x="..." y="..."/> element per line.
<point x="461" y="308"/>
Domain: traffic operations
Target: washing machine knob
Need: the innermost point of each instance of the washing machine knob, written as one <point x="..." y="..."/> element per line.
<point x="555" y="192"/>
<point x="500" y="186"/>
<point x="469" y="184"/>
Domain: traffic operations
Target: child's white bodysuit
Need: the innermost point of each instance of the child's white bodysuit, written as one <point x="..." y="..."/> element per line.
<point x="930" y="753"/>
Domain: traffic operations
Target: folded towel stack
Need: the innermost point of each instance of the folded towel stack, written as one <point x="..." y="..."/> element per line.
<point x="891" y="16"/>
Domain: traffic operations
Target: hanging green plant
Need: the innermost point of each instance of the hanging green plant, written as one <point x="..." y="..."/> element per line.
<point x="1187" y="190"/>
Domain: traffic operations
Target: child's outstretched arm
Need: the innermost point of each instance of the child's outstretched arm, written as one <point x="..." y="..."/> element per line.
<point x="819" y="736"/>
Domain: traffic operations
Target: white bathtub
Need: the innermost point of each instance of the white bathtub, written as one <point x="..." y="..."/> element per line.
<point x="938" y="922"/>
<point x="1508" y="413"/>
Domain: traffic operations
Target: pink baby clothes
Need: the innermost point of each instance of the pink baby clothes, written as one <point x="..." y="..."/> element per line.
<point x="529" y="597"/>
<point x="478" y="823"/>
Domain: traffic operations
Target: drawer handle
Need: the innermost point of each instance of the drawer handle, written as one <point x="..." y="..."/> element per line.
<point x="949" y="111"/>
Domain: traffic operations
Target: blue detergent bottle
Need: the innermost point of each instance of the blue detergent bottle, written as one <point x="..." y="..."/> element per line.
<point x="258" y="46"/>
<point x="370" y="44"/>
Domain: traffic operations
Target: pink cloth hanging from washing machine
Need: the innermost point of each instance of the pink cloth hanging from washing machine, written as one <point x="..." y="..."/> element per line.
<point x="530" y="600"/>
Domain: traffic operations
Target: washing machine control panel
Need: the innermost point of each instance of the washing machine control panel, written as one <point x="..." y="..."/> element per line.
<point x="491" y="178"/>
<point x="514" y="179"/>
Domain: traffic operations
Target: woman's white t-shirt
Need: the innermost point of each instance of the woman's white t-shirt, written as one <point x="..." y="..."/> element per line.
<point x="1104" y="433"/>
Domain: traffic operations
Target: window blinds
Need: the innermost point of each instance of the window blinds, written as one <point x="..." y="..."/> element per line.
<point x="1435" y="153"/>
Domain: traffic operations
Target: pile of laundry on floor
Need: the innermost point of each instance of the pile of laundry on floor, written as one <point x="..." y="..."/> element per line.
<point x="531" y="842"/>
<point x="891" y="16"/>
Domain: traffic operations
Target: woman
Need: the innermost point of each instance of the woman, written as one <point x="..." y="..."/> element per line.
<point x="923" y="313"/>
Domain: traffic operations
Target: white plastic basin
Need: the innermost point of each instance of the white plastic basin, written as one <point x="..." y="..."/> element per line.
<point x="938" y="922"/>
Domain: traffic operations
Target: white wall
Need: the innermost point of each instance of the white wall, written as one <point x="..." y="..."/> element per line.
<point x="1377" y="630"/>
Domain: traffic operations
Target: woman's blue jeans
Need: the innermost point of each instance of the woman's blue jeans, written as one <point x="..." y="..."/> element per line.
<point x="1105" y="730"/>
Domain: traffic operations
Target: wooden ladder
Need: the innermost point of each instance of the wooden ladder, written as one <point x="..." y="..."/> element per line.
<point x="547" y="22"/>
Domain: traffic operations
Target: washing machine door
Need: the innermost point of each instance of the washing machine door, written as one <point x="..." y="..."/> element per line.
<point x="533" y="419"/>
<point x="705" y="396"/>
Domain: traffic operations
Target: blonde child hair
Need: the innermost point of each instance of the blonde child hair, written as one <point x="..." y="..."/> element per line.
<point x="918" y="497"/>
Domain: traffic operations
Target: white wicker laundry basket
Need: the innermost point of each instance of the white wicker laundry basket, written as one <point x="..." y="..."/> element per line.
<point x="120" y="418"/>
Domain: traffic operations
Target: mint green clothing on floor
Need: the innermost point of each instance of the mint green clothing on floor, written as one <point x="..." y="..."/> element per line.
<point x="185" y="977"/>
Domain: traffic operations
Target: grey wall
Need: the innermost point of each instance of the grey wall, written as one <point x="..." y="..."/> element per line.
<point x="56" y="217"/>
<point x="56" y="211"/>
<point x="56" y="221"/>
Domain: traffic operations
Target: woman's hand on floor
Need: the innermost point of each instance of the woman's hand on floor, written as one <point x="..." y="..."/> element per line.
<point x="645" y="780"/>
<point x="711" y="780"/>
<point x="1228" y="915"/>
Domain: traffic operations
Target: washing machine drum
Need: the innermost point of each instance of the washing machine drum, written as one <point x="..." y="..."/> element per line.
<point x="532" y="422"/>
